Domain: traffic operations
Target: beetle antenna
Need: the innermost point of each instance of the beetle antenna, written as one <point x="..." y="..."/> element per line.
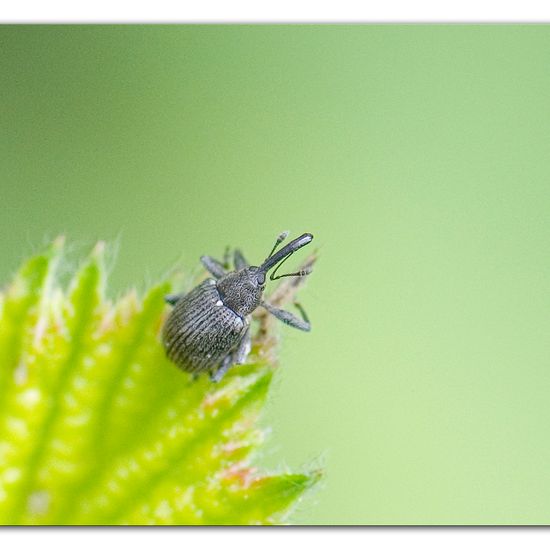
<point x="284" y="253"/>
<point x="279" y="240"/>
<point x="301" y="273"/>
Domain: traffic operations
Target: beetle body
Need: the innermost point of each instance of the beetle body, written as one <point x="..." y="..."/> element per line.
<point x="209" y="328"/>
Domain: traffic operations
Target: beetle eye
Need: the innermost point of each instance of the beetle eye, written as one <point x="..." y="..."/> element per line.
<point x="261" y="278"/>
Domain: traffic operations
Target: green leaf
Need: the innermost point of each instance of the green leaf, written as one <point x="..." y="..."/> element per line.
<point x="98" y="427"/>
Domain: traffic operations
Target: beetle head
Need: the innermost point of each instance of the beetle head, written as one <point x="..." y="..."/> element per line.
<point x="242" y="290"/>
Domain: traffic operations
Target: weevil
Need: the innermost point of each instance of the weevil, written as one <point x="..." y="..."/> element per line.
<point x="208" y="329"/>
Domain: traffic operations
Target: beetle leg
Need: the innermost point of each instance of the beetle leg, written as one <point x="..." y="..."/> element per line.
<point x="173" y="298"/>
<point x="227" y="258"/>
<point x="240" y="260"/>
<point x="223" y="368"/>
<point x="238" y="357"/>
<point x="289" y="318"/>
<point x="244" y="348"/>
<point x="213" y="266"/>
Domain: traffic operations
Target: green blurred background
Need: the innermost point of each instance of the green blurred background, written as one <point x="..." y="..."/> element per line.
<point x="419" y="156"/>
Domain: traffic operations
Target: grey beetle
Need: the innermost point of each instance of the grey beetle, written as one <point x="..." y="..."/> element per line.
<point x="209" y="328"/>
